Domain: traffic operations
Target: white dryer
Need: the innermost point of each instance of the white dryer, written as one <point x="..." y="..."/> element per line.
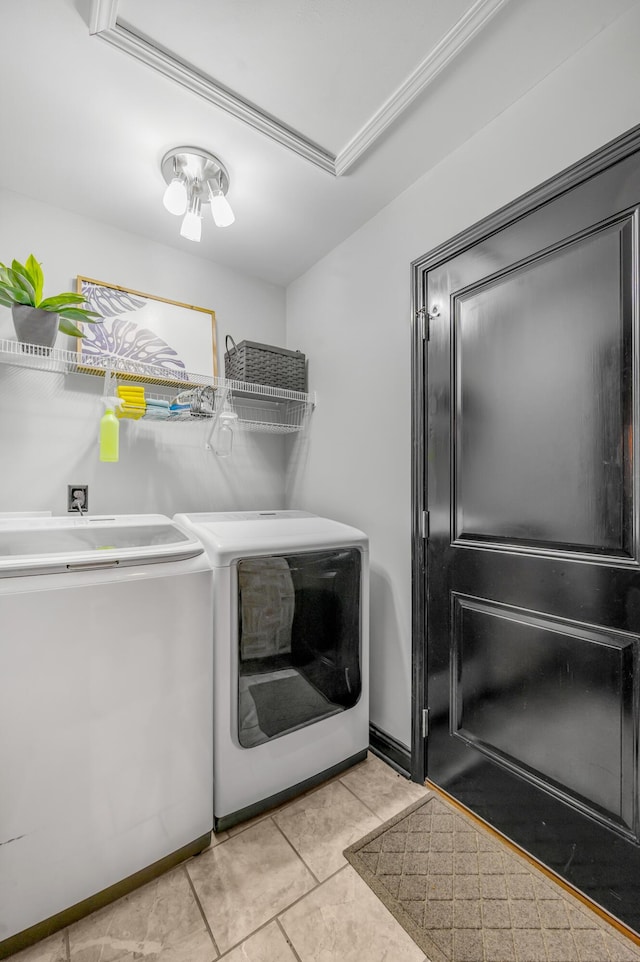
<point x="291" y="653"/>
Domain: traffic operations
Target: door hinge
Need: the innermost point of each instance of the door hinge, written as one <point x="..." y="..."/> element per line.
<point x="423" y="318"/>
<point x="424" y="315"/>
<point x="425" y="525"/>
<point x="425" y="722"/>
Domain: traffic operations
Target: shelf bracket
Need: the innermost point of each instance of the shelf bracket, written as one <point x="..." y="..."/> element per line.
<point x="222" y="394"/>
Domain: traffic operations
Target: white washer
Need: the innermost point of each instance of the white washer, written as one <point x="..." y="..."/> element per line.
<point x="291" y="653"/>
<point x="105" y="711"/>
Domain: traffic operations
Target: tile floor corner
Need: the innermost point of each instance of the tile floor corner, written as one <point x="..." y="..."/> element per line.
<point x="275" y="889"/>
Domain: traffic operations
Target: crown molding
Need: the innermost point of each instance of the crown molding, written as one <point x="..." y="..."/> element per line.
<point x="142" y="49"/>
<point x="103" y="15"/>
<point x="452" y="44"/>
<point x="104" y="24"/>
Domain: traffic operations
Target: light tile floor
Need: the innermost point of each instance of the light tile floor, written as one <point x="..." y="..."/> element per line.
<point x="274" y="889"/>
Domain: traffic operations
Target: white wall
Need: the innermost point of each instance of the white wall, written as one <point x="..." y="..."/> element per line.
<point x="350" y="314"/>
<point x="50" y="421"/>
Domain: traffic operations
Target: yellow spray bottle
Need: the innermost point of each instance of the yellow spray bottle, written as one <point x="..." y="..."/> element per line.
<point x="109" y="430"/>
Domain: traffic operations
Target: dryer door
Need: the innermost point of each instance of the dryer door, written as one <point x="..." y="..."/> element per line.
<point x="299" y="640"/>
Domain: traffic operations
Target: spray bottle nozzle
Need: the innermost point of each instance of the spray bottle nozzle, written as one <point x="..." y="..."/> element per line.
<point x="111" y="403"/>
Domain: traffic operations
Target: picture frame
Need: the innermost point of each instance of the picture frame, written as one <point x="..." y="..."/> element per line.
<point x="138" y="330"/>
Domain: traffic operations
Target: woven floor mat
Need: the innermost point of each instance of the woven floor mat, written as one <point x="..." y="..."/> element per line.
<point x="464" y="896"/>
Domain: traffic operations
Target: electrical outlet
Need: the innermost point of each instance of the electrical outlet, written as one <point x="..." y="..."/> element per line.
<point x="77" y="498"/>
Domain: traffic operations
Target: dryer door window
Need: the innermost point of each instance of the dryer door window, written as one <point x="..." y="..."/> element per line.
<point x="298" y="641"/>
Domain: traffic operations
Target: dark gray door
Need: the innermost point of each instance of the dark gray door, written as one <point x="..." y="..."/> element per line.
<point x="533" y="577"/>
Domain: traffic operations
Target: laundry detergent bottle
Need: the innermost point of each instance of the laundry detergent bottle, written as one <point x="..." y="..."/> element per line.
<point x="109" y="430"/>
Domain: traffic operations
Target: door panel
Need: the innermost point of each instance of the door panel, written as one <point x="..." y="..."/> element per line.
<point x="533" y="583"/>
<point x="551" y="700"/>
<point x="538" y="454"/>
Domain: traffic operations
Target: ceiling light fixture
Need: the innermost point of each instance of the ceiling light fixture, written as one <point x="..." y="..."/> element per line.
<point x="195" y="177"/>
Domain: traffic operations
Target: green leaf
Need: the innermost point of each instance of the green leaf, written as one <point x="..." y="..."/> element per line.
<point x="17" y="267"/>
<point x="78" y="314"/>
<point x="6" y="299"/>
<point x="5" y="282"/>
<point x="67" y="327"/>
<point x="20" y="278"/>
<point x="20" y="269"/>
<point x="61" y="300"/>
<point x="17" y="295"/>
<point x="35" y="271"/>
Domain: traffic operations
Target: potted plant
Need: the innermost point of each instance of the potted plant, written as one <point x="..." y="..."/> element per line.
<point x="37" y="320"/>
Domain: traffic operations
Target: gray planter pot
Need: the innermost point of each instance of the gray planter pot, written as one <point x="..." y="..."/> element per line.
<point x="34" y="326"/>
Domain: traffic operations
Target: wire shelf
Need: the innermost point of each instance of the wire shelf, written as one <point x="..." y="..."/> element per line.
<point x="280" y="418"/>
<point x="263" y="427"/>
<point x="260" y="407"/>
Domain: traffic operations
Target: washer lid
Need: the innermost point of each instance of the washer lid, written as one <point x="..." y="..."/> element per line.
<point x="50" y="545"/>
<point x="228" y="536"/>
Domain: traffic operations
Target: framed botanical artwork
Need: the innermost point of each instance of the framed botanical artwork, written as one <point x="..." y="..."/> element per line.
<point x="146" y="337"/>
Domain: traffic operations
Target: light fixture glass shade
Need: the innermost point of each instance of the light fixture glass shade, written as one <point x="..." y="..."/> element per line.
<point x="192" y="226"/>
<point x="220" y="208"/>
<point x="175" y="196"/>
<point x="192" y="223"/>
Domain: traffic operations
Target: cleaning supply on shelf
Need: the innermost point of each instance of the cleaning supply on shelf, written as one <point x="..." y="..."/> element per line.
<point x="203" y="402"/>
<point x="110" y="430"/>
<point x="157" y="409"/>
<point x="181" y="402"/>
<point x="134" y="404"/>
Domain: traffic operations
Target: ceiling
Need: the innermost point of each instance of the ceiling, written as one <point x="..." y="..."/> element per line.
<point x="322" y="111"/>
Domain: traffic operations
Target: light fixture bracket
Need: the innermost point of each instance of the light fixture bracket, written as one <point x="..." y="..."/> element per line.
<point x="199" y="167"/>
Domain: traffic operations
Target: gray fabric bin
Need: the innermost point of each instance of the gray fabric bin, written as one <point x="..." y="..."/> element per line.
<point x="265" y="364"/>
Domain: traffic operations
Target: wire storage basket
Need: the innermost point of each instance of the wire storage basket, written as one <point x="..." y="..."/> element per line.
<point x="264" y="364"/>
<point x="284" y="418"/>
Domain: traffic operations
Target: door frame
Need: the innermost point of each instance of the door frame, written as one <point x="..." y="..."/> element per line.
<point x="611" y="153"/>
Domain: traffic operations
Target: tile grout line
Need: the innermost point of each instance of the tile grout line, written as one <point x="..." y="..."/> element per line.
<point x="379" y="817"/>
<point x="288" y="940"/>
<point x="297" y="853"/>
<point x="265" y="925"/>
<point x="111" y="919"/>
<point x="304" y="895"/>
<point x="337" y="872"/>
<point x="67" y="944"/>
<point x="276" y="917"/>
<point x="245" y="938"/>
<point x="245" y="826"/>
<point x="200" y="907"/>
<point x="347" y="867"/>
<point x="357" y="797"/>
